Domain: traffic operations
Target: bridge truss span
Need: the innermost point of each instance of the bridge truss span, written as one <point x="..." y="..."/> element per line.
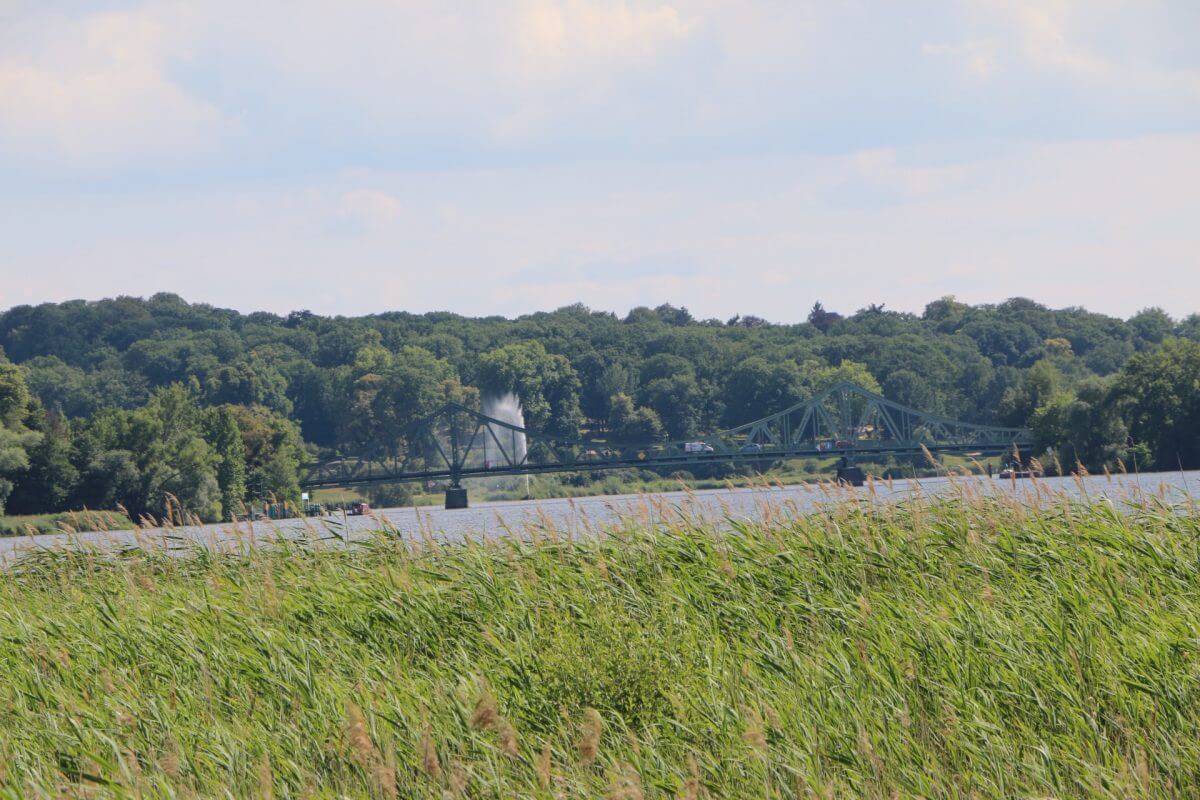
<point x="844" y="421"/>
<point x="847" y="413"/>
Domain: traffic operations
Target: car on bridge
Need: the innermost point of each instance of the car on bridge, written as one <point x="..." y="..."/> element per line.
<point x="751" y="447"/>
<point x="697" y="448"/>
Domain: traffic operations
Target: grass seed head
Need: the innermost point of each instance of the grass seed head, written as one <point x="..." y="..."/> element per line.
<point x="774" y="722"/>
<point x="362" y="749"/>
<point x="266" y="780"/>
<point x="754" y="733"/>
<point x="487" y="716"/>
<point x="1142" y="767"/>
<point x="507" y="735"/>
<point x="429" y="756"/>
<point x="544" y="766"/>
<point x="691" y="788"/>
<point x="626" y="785"/>
<point x="458" y="780"/>
<point x="486" y="712"/>
<point x="384" y="776"/>
<point x="589" y="739"/>
<point x="168" y="762"/>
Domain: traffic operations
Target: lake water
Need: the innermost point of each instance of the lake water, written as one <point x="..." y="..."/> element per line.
<point x="580" y="516"/>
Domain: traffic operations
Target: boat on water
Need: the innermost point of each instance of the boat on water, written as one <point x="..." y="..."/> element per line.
<point x="1009" y="472"/>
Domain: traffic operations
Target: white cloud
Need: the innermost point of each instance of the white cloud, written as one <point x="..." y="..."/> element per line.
<point x="557" y="35"/>
<point x="1109" y="225"/>
<point x="1117" y="44"/>
<point x="502" y="155"/>
<point x="370" y="207"/>
<point x="567" y="56"/>
<point x="1046" y="45"/>
<point x="96" y="91"/>
<point x="979" y="56"/>
<point x="297" y="85"/>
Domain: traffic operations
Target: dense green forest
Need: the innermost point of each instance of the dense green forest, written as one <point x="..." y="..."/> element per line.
<point x="129" y="402"/>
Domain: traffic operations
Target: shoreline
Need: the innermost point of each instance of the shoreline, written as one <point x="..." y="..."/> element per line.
<point x="582" y="513"/>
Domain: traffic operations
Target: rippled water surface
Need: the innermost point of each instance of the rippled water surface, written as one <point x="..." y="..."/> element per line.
<point x="581" y="515"/>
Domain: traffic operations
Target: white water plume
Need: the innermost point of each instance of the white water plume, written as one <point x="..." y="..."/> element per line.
<point x="506" y="408"/>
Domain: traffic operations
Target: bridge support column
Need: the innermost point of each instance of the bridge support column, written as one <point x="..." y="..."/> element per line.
<point x="456" y="497"/>
<point x="850" y="474"/>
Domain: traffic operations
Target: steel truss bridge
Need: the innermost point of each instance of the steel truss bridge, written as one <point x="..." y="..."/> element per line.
<point x="844" y="421"/>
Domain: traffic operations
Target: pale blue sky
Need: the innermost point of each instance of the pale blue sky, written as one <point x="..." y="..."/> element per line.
<point x="504" y="157"/>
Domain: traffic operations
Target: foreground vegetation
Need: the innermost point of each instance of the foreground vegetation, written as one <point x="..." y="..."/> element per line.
<point x="970" y="647"/>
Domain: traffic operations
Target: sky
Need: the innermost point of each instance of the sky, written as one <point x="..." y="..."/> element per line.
<point x="508" y="156"/>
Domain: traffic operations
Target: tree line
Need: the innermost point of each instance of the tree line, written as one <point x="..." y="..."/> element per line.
<point x="146" y="402"/>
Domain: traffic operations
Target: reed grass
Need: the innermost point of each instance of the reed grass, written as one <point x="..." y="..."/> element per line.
<point x="972" y="646"/>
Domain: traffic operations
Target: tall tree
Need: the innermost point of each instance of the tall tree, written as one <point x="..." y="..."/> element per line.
<point x="821" y="319"/>
<point x="679" y="401"/>
<point x="50" y="479"/>
<point x="1084" y="427"/>
<point x="273" y="452"/>
<point x="162" y="445"/>
<point x="1159" y="395"/>
<point x="1150" y="327"/>
<point x="546" y="385"/>
<point x="225" y="437"/>
<point x="757" y="388"/>
<point x="15" y="436"/>
<point x="633" y="425"/>
<point x="1036" y="387"/>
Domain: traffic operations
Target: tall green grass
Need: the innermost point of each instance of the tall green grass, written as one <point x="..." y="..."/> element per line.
<point x="969" y="647"/>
